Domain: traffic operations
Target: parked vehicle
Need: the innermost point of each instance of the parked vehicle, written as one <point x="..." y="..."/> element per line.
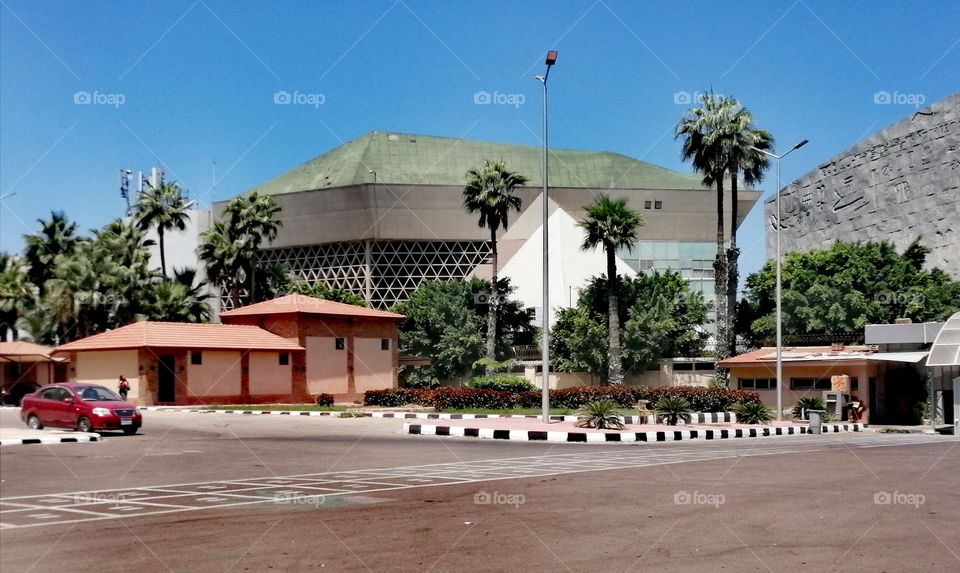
<point x="85" y="407"/>
<point x="12" y="393"/>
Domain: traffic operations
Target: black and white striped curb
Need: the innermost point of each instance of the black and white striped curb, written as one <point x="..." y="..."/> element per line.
<point x="50" y="440"/>
<point x="597" y="437"/>
<point x="696" y="418"/>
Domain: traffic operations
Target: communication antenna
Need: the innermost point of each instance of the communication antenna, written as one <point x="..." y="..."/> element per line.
<point x="125" y="187"/>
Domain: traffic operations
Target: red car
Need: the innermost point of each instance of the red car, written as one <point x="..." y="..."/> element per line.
<point x="85" y="407"/>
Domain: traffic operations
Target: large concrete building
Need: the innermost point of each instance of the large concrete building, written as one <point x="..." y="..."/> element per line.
<point x="900" y="184"/>
<point x="382" y="213"/>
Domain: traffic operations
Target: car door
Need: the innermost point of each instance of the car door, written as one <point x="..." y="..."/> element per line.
<point x="50" y="406"/>
<point x="69" y="408"/>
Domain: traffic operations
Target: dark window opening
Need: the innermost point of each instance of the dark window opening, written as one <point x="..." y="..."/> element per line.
<point x="810" y="384"/>
<point x="646" y="204"/>
<point x="384" y="344"/>
<point x="658" y="205"/>
<point x="339" y="342"/>
<point x="284" y="359"/>
<point x="196" y="358"/>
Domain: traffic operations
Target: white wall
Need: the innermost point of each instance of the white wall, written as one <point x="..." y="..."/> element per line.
<point x="267" y="376"/>
<point x="219" y="375"/>
<point x="105" y="367"/>
<point x="372" y="366"/>
<point x="326" y="366"/>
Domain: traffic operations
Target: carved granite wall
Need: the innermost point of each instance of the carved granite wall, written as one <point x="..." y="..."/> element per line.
<point x="899" y="184"/>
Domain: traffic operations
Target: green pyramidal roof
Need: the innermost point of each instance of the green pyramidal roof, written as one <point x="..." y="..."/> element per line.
<point x="400" y="158"/>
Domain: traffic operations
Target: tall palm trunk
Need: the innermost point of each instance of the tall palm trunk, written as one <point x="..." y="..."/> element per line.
<point x="721" y="276"/>
<point x="733" y="271"/>
<point x="615" y="367"/>
<point x="163" y="257"/>
<point x="492" y="301"/>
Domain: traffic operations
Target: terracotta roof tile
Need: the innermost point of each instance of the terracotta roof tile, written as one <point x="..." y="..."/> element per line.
<point x="182" y="335"/>
<point x="300" y="303"/>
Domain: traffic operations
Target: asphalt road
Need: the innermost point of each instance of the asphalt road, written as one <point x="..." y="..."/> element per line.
<point x="209" y="492"/>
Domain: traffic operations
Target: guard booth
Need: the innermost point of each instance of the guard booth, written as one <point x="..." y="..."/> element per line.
<point x="943" y="366"/>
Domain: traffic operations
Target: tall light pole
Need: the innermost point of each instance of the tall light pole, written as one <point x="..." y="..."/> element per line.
<point x="778" y="294"/>
<point x="545" y="304"/>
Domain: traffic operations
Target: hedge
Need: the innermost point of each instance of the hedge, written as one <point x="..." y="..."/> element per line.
<point x="502" y="382"/>
<point x="700" y="399"/>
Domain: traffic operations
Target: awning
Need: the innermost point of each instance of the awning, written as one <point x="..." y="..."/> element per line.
<point x="911" y="357"/>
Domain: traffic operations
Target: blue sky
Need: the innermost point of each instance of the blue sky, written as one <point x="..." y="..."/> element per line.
<point x="189" y="83"/>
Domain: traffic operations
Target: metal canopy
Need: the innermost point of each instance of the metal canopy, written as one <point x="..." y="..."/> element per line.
<point x="946" y="349"/>
<point x="911" y="357"/>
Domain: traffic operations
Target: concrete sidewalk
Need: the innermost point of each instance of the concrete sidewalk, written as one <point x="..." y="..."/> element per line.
<point x="26" y="436"/>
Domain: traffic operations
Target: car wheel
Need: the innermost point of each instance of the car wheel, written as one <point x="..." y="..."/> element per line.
<point x="33" y="422"/>
<point x="130" y="431"/>
<point x="84" y="425"/>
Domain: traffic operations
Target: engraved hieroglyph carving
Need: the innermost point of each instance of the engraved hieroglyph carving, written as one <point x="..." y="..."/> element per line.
<point x="898" y="184"/>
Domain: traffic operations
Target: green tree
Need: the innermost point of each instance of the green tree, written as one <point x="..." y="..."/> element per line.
<point x="165" y="208"/>
<point x="662" y="317"/>
<point x="57" y="236"/>
<point x="843" y="288"/>
<point x="178" y="299"/>
<point x="16" y="293"/>
<point x="230" y="249"/>
<point x="612" y="224"/>
<point x="446" y="325"/>
<point x="490" y="192"/>
<point x="741" y="144"/>
<point x="703" y="131"/>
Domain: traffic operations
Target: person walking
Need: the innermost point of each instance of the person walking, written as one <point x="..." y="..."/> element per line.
<point x="124" y="387"/>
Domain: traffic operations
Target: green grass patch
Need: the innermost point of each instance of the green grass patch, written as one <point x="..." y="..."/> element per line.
<point x="278" y="407"/>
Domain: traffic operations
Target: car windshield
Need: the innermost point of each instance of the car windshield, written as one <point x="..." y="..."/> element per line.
<point x="97" y="394"/>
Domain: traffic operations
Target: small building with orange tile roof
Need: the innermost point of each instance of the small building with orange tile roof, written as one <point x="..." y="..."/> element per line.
<point x="348" y="349"/>
<point x="28" y="362"/>
<point x="186" y="363"/>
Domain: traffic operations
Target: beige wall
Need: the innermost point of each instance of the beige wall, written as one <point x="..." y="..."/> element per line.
<point x="372" y="366"/>
<point x="219" y="375"/>
<point x="267" y="376"/>
<point x="105" y="368"/>
<point x="326" y="366"/>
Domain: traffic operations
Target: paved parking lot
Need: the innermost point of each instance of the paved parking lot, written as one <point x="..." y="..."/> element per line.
<point x="198" y="493"/>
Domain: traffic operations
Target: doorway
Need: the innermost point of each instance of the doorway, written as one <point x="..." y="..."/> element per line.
<point x="166" y="379"/>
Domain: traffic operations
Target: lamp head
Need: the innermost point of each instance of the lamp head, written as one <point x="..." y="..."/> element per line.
<point x="551" y="57"/>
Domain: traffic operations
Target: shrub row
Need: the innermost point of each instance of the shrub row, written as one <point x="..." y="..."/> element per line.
<point x="700" y="399"/>
<point x="502" y="382"/>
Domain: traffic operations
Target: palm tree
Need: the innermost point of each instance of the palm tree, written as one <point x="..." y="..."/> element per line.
<point x="489" y="191"/>
<point x="57" y="236"/>
<point x="703" y="130"/>
<point x="222" y="256"/>
<point x="611" y="223"/>
<point x="741" y="142"/>
<point x="165" y="207"/>
<point x="178" y="299"/>
<point x="252" y="219"/>
<point x="16" y="293"/>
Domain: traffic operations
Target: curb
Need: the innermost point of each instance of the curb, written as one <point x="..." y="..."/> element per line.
<point x="50" y="440"/>
<point x="597" y="437"/>
<point x="697" y="418"/>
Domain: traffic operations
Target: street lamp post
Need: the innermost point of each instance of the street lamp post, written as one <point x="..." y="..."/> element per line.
<point x="778" y="293"/>
<point x="545" y="303"/>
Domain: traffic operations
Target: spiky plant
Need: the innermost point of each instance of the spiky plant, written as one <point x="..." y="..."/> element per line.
<point x="600" y="414"/>
<point x="672" y="409"/>
<point x="752" y="413"/>
<point x="804" y="405"/>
